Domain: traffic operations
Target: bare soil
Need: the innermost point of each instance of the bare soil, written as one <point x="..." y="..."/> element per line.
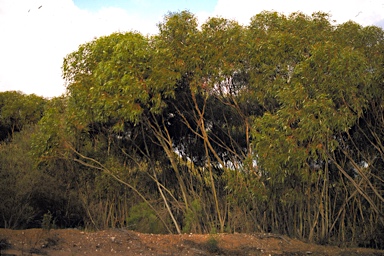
<point x="65" y="242"/>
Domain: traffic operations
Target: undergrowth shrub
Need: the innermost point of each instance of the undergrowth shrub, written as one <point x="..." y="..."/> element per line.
<point x="143" y="219"/>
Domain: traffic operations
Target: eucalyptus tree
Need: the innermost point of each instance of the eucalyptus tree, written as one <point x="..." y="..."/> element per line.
<point x="157" y="99"/>
<point x="359" y="154"/>
<point x="113" y="92"/>
<point x="313" y="83"/>
<point x="212" y="65"/>
<point x="18" y="110"/>
<point x="270" y="127"/>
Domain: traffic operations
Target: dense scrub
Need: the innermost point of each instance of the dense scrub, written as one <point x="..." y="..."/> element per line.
<point x="273" y="127"/>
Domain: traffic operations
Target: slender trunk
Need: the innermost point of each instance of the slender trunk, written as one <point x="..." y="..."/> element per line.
<point x="165" y="141"/>
<point x="167" y="205"/>
<point x="99" y="166"/>
<point x="209" y="148"/>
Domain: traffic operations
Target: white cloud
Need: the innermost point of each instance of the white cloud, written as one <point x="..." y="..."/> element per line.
<point x="35" y="40"/>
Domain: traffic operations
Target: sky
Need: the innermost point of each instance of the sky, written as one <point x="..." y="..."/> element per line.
<point x="36" y="35"/>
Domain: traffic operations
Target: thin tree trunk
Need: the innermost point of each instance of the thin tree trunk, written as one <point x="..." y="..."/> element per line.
<point x="168" y="208"/>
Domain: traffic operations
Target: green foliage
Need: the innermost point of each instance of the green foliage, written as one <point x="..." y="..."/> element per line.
<point x="192" y="217"/>
<point x="111" y="80"/>
<point x="17" y="111"/>
<point x="49" y="139"/>
<point x="143" y="219"/>
<point x="212" y="245"/>
<point x="47" y="223"/>
<point x="28" y="192"/>
<point x="310" y="107"/>
<point x="18" y="181"/>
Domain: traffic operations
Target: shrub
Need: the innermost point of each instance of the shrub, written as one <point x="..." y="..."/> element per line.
<point x="143" y="219"/>
<point x="4" y="244"/>
<point x="212" y="245"/>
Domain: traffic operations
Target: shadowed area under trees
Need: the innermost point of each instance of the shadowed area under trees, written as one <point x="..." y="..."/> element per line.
<point x="272" y="127"/>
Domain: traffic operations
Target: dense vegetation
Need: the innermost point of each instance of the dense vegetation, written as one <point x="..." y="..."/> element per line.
<point x="272" y="127"/>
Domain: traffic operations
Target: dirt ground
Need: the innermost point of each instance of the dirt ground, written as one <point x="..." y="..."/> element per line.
<point x="67" y="242"/>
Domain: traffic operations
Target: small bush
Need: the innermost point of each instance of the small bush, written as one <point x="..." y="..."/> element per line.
<point x="193" y="217"/>
<point x="212" y="245"/>
<point x="47" y="224"/>
<point x="4" y="244"/>
<point x="143" y="219"/>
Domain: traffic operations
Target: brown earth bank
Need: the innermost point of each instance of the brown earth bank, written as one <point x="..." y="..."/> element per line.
<point x="65" y="242"/>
